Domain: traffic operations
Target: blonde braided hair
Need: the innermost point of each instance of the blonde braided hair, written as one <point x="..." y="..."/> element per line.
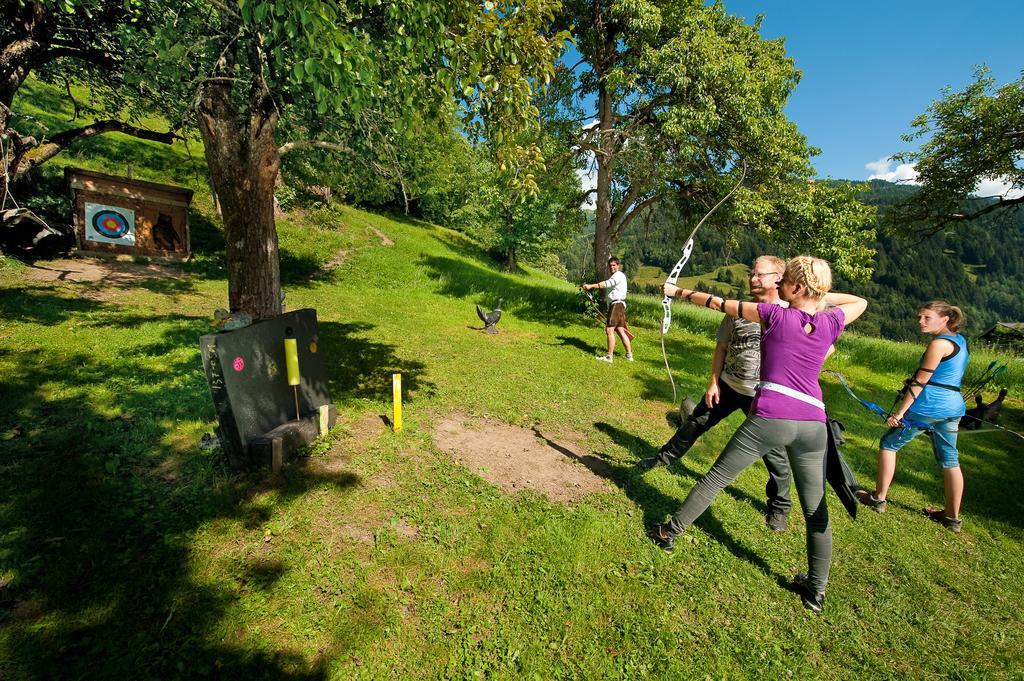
<point x="814" y="273"/>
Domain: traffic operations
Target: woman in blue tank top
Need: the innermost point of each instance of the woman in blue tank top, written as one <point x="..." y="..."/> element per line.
<point x="932" y="395"/>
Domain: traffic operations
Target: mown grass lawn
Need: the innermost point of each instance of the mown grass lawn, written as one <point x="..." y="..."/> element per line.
<point x="128" y="552"/>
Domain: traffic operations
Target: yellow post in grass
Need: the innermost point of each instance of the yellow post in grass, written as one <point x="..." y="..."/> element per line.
<point x="396" y="396"/>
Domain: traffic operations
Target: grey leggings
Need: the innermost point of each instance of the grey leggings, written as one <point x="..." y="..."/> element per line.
<point x="805" y="443"/>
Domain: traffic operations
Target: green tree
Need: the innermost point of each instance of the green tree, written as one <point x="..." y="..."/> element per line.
<point x="682" y="92"/>
<point x="263" y="71"/>
<point x="977" y="134"/>
<point x="513" y="225"/>
<point x="532" y="226"/>
<point x="85" y="41"/>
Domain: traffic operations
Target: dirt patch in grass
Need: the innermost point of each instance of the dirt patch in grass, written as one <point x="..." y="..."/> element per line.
<point x="340" y="531"/>
<point x="385" y="240"/>
<point x="336" y="261"/>
<point x="406" y="529"/>
<point x="369" y="427"/>
<point x="101" y="271"/>
<point x="108" y="280"/>
<point x="515" y="459"/>
<point x="356" y="437"/>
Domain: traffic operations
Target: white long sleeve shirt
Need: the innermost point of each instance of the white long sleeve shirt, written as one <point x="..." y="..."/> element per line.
<point x="615" y="286"/>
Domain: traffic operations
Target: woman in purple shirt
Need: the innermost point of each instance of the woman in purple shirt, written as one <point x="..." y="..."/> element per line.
<point x="787" y="410"/>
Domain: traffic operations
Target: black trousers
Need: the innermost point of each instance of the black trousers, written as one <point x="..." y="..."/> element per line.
<point x="704" y="418"/>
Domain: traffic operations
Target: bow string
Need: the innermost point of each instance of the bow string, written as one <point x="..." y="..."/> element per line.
<point x="591" y="305"/>
<point x="911" y="423"/>
<point x="871" y="406"/>
<point x="673" y="276"/>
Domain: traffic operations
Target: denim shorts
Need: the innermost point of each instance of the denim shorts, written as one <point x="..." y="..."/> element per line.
<point x="943" y="436"/>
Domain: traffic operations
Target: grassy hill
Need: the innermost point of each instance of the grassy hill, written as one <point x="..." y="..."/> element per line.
<point x="729" y="280"/>
<point x="978" y="266"/>
<point x="128" y="552"/>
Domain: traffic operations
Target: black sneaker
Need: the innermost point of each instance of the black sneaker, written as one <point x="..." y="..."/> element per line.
<point x="659" y="459"/>
<point x="872" y="501"/>
<point x="812" y="600"/>
<point x="662" y="536"/>
<point x="939" y="516"/>
<point x="777" y="521"/>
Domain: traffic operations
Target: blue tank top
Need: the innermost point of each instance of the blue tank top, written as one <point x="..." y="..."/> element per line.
<point x="936" y="401"/>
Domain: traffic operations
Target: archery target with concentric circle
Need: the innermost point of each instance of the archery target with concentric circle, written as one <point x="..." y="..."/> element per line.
<point x="109" y="224"/>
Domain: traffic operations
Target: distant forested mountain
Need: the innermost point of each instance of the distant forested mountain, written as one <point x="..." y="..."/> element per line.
<point x="979" y="266"/>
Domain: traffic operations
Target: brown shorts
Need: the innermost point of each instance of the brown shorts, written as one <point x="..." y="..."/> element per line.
<point x="616" y="316"/>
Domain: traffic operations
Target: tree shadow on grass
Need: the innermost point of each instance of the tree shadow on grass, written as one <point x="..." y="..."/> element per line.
<point x="462" y="279"/>
<point x="37" y="305"/>
<point x="361" y="367"/>
<point x="539" y="303"/>
<point x="100" y="509"/>
<point x="466" y="247"/>
<point x="297" y="270"/>
<point x="657" y="506"/>
<point x="690" y="364"/>
<point x="583" y="346"/>
<point x="208" y="247"/>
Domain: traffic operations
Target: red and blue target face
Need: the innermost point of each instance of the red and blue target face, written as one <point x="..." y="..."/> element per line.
<point x="110" y="224"/>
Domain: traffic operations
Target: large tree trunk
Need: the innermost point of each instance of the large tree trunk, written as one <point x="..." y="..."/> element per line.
<point x="605" y="157"/>
<point x="243" y="158"/>
<point x="511" y="262"/>
<point x="605" y="153"/>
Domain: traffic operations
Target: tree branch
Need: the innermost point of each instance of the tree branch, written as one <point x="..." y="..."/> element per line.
<point x="643" y="113"/>
<point x="574" y="66"/>
<point x="617" y="229"/>
<point x="945" y="220"/>
<point x="628" y="198"/>
<point x="315" y="144"/>
<point x="95" y="57"/>
<point x="44" y="152"/>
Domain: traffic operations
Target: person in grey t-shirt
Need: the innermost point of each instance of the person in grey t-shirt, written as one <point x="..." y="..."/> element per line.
<point x="735" y="371"/>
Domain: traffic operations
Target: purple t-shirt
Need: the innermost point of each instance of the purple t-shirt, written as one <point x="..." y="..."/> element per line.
<point x="792" y="357"/>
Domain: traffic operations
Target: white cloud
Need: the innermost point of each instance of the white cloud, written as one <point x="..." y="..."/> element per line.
<point x="998" y="187"/>
<point x="882" y="169"/>
<point x="905" y="173"/>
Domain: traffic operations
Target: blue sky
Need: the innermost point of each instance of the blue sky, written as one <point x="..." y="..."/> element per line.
<point x="870" y="67"/>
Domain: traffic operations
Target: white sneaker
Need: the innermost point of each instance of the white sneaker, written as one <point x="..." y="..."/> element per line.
<point x="629" y="356"/>
<point x="604" y="358"/>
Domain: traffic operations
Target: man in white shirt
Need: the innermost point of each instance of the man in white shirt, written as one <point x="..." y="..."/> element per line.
<point x="616" y="299"/>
